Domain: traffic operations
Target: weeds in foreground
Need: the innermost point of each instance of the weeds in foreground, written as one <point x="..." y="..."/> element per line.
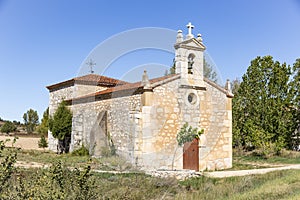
<point x="62" y="182"/>
<point x="7" y="164"/>
<point x="284" y="157"/>
<point x="274" y="185"/>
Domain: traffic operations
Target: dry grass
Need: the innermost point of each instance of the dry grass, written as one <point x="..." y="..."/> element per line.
<point x="274" y="185"/>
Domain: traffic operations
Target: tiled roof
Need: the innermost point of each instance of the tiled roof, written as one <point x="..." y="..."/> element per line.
<point x="90" y="79"/>
<point x="117" y="88"/>
<point x="94" y="78"/>
<point x="125" y="89"/>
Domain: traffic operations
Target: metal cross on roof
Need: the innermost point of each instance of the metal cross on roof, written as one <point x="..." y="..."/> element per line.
<point x="190" y="27"/>
<point x="91" y="64"/>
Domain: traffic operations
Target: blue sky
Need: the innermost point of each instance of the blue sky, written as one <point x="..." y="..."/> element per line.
<point x="44" y="42"/>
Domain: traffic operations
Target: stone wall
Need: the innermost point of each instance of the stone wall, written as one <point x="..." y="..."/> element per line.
<point x="81" y="90"/>
<point x="65" y="93"/>
<point x="121" y="124"/>
<point x="160" y="123"/>
<point x="173" y="106"/>
<point x="146" y="134"/>
<point x="216" y="120"/>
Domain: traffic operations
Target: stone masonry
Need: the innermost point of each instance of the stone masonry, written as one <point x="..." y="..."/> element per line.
<point x="141" y="120"/>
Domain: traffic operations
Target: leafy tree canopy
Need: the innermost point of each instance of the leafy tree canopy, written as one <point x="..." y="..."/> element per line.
<point x="209" y="72"/>
<point x="235" y="84"/>
<point x="61" y="123"/>
<point x="8" y="127"/>
<point x="44" y="126"/>
<point x="31" y="120"/>
<point x="263" y="106"/>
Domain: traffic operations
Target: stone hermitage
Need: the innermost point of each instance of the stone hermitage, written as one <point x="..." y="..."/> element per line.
<point x="142" y="119"/>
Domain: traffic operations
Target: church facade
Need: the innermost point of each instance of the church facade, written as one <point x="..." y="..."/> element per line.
<point x="141" y="120"/>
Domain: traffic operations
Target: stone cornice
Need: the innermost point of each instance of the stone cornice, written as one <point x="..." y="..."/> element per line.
<point x="185" y="44"/>
<point x="193" y="87"/>
<point x="215" y="85"/>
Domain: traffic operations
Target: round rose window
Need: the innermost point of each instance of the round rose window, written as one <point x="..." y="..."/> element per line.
<point x="192" y="98"/>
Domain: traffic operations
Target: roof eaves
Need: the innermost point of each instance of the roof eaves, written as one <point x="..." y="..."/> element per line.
<point x="53" y="87"/>
<point x="123" y="90"/>
<point x="164" y="81"/>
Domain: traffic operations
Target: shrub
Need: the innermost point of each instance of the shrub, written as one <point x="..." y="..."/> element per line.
<point x="7" y="165"/>
<point x="61" y="126"/>
<point x="187" y="134"/>
<point x="44" y="126"/>
<point x="108" y="151"/>
<point x="43" y="142"/>
<point x="8" y="127"/>
<point x="82" y="151"/>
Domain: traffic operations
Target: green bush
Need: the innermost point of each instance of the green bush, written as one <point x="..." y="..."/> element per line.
<point x="108" y="151"/>
<point x="7" y="165"/>
<point x="43" y="142"/>
<point x="8" y="127"/>
<point x="82" y="151"/>
<point x="187" y="134"/>
<point x="60" y="124"/>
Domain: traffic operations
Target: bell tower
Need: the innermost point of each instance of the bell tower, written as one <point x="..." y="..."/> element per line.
<point x="189" y="58"/>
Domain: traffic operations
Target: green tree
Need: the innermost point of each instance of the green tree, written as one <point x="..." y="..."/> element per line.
<point x="43" y="142"/>
<point x="8" y="127"/>
<point x="235" y="84"/>
<point x="44" y="126"/>
<point x="31" y="120"/>
<point x="295" y="108"/>
<point x="261" y="117"/>
<point x="17" y="123"/>
<point x="171" y="70"/>
<point x="60" y="124"/>
<point x="209" y="72"/>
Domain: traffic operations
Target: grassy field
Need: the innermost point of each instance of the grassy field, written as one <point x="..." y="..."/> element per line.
<point x="59" y="182"/>
<point x="34" y="185"/>
<point x="69" y="160"/>
<point x="274" y="185"/>
<point x="240" y="161"/>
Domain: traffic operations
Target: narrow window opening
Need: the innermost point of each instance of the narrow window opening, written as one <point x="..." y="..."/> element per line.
<point x="190" y="63"/>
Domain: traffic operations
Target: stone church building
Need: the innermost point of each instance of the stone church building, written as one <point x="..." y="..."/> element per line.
<point x="141" y="120"/>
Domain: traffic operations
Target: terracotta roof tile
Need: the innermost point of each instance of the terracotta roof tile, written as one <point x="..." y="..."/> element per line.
<point x="90" y="79"/>
<point x="94" y="78"/>
<point x="121" y="90"/>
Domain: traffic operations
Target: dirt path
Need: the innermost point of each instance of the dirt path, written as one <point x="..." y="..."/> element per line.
<point x="31" y="164"/>
<point x="223" y="174"/>
<point x="216" y="174"/>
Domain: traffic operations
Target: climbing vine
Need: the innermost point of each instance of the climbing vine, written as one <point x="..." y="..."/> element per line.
<point x="187" y="134"/>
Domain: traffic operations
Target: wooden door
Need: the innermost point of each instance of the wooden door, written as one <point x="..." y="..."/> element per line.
<point x="191" y="155"/>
